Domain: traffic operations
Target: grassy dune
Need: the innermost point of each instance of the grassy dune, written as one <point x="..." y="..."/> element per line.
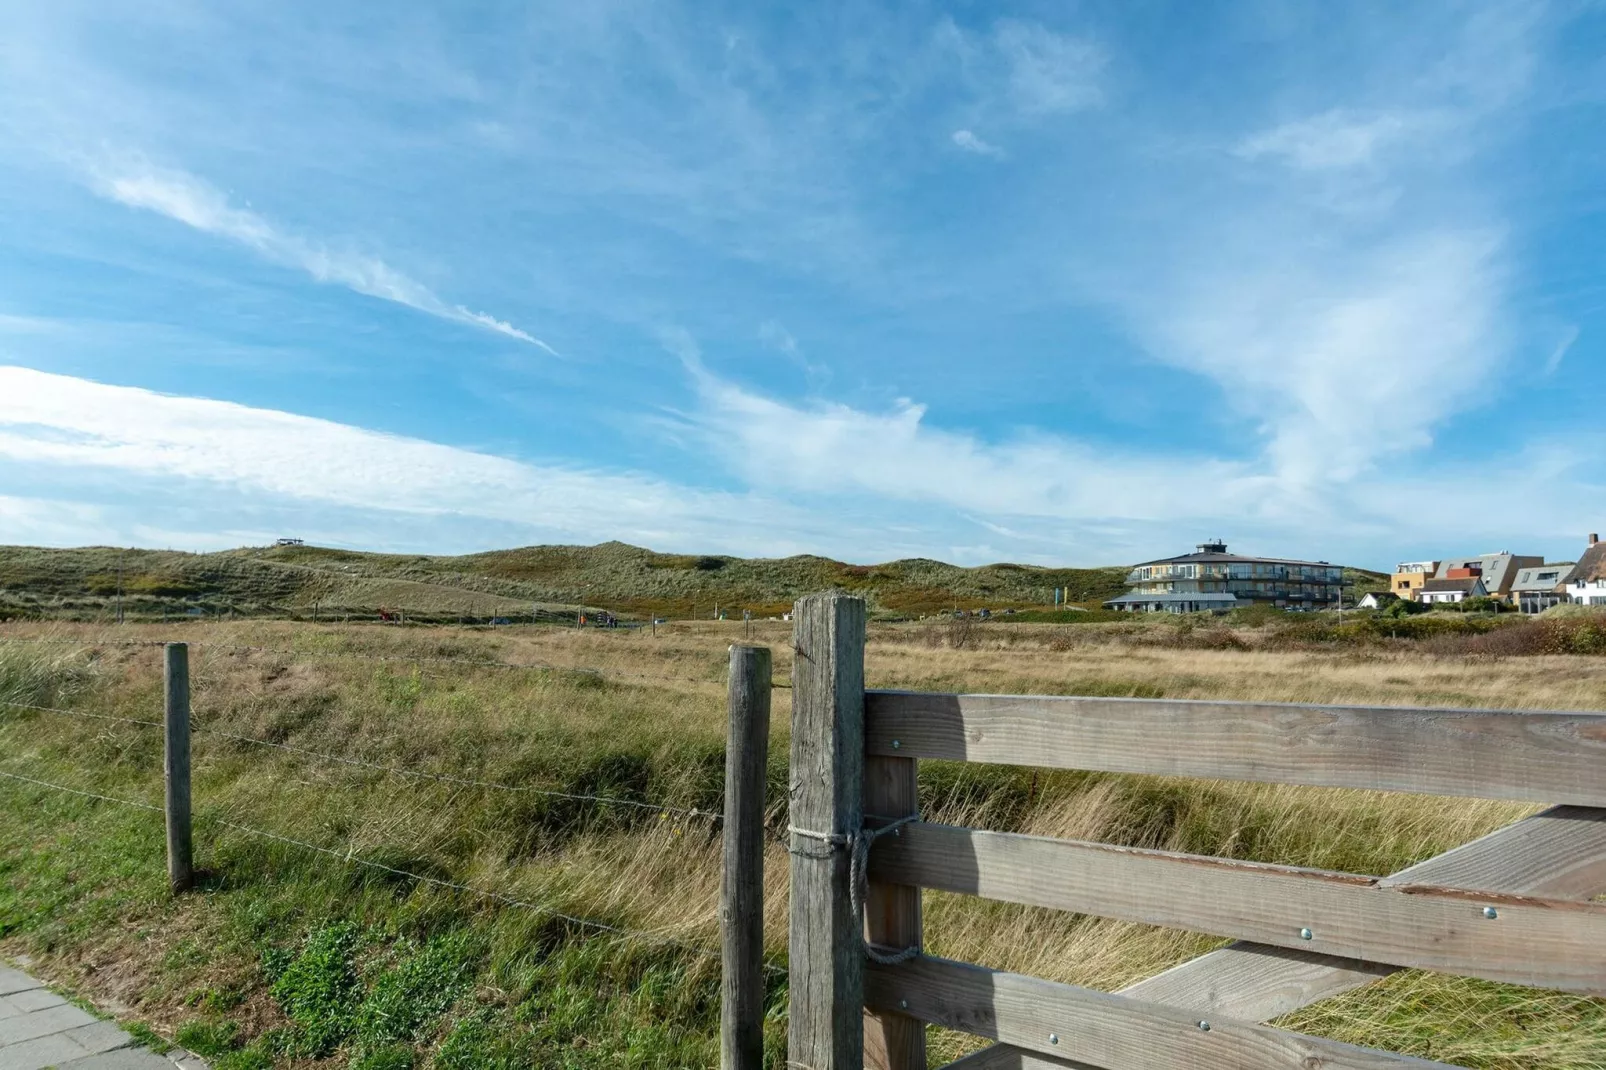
<point x="282" y="581"/>
<point x="292" y="957"/>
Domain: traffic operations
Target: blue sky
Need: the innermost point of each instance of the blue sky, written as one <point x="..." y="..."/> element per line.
<point x="1069" y="283"/>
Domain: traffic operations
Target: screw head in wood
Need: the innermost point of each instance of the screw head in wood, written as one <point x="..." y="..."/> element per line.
<point x="1305" y="934"/>
<point x="896" y="744"/>
<point x="1490" y="912"/>
<point x="1053" y="1038"/>
<point x="903" y="1004"/>
<point x="1204" y="1026"/>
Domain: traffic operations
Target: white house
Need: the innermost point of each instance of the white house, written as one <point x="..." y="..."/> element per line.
<point x="1438" y="592"/>
<point x="1377" y="600"/>
<point x="1586" y="586"/>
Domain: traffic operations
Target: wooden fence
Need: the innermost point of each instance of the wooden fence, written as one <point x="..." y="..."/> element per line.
<point x="1513" y="906"/>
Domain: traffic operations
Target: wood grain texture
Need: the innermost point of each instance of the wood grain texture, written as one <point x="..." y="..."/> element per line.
<point x="1102" y="1030"/>
<point x="1561" y="853"/>
<point x="826" y="990"/>
<point x="741" y="893"/>
<point x="892" y="917"/>
<point x="1532" y="756"/>
<point x="176" y="767"/>
<point x="1548" y="943"/>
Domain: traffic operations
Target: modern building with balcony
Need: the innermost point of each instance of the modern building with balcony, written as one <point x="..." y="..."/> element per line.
<point x="1211" y="579"/>
<point x="1409" y="576"/>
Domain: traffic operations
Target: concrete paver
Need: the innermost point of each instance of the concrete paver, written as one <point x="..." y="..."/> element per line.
<point x="42" y="1023"/>
<point x="35" y="999"/>
<point x="40" y="1029"/>
<point x="15" y="981"/>
<point x="97" y="1037"/>
<point x="122" y="1059"/>
<point x="38" y="1053"/>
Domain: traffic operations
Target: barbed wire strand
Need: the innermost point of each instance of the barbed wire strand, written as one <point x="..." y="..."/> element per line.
<point x="407" y="659"/>
<point x="351" y="859"/>
<point x="446" y="778"/>
<point x="77" y="791"/>
<point x="79" y="713"/>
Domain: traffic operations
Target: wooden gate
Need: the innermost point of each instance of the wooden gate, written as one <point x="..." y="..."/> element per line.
<point x="1513" y="906"/>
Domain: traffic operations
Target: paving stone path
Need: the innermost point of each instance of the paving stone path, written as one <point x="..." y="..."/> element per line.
<point x="39" y="1029"/>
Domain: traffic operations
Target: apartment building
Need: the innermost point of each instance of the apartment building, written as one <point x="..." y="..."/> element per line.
<point x="1210" y="578"/>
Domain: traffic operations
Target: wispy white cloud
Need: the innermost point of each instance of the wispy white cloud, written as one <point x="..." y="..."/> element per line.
<point x="195" y="203"/>
<point x="1335" y="139"/>
<point x="1038" y="493"/>
<point x="1050" y="72"/>
<point x="1559" y="352"/>
<point x="775" y="335"/>
<point x="897" y="455"/>
<point x="77" y="425"/>
<point x="1319" y="349"/>
<point x="969" y="142"/>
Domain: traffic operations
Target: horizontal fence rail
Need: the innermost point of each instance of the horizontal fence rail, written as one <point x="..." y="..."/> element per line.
<point x="1498" y="936"/>
<point x="1496" y="754"/>
<point x="1080" y="1025"/>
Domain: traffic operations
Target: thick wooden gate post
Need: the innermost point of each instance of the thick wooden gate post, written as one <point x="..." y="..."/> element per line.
<point x="892" y="916"/>
<point x="176" y="768"/>
<point x="826" y="785"/>
<point x="741" y="893"/>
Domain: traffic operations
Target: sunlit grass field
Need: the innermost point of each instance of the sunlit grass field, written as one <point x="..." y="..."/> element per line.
<point x="298" y="954"/>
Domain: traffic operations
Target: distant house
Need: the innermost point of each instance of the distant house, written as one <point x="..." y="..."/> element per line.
<point x="1409" y="576"/>
<point x="1459" y="589"/>
<point x="289" y="542"/>
<point x="1498" y="571"/>
<point x="1537" y="589"/>
<point x="1211" y="579"/>
<point x="1377" y="600"/>
<point x="1586" y="584"/>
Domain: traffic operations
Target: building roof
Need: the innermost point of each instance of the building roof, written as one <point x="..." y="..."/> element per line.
<point x="1497" y="568"/>
<point x="1542" y="577"/>
<point x="1380" y="596"/>
<point x="1214" y="552"/>
<point x="1447" y="586"/>
<point x="1226" y="600"/>
<point x="1591" y="566"/>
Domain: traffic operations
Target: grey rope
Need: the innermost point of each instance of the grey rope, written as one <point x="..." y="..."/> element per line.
<point x="858" y="845"/>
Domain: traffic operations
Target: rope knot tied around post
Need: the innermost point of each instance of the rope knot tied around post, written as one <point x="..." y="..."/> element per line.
<point x="858" y="845"/>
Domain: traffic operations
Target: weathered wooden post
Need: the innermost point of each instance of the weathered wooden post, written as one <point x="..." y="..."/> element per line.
<point x="176" y="768"/>
<point x="892" y="917"/>
<point x="741" y="898"/>
<point x="826" y="785"/>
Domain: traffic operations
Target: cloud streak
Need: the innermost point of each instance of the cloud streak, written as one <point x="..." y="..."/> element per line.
<point x="186" y="199"/>
<point x="969" y="142"/>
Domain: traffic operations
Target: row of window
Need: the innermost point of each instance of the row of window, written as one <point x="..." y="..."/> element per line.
<point x="1302" y="573"/>
<point x="1250" y="588"/>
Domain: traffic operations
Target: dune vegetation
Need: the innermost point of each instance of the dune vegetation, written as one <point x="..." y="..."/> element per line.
<point x="470" y="921"/>
<point x="540" y="582"/>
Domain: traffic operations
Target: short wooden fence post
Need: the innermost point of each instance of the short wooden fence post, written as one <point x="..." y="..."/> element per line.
<point x="176" y="768"/>
<point x="826" y="788"/>
<point x="741" y="896"/>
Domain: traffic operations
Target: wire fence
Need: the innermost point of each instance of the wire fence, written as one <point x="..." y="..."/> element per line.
<point x="692" y="813"/>
<point x="204" y="730"/>
<point x="347" y="857"/>
<point x="353" y="655"/>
